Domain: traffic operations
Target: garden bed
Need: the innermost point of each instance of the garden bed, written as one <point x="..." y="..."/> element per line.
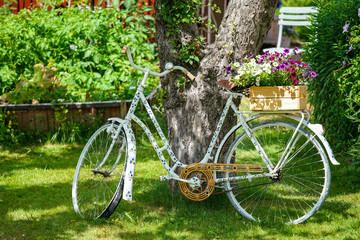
<point x="42" y="117"/>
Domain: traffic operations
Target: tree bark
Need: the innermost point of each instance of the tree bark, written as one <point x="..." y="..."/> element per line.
<point x="192" y="115"/>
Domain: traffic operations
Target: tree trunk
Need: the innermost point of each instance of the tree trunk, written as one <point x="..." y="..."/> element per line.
<point x="192" y="115"/>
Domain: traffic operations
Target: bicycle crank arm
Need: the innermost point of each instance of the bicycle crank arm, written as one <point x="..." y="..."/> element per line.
<point x="104" y="173"/>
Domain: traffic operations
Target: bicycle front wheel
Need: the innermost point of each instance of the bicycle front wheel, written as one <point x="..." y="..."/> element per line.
<point x="302" y="183"/>
<point x="98" y="182"/>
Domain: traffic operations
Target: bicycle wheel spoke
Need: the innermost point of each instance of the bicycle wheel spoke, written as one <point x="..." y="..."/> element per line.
<point x="97" y="180"/>
<point x="300" y="186"/>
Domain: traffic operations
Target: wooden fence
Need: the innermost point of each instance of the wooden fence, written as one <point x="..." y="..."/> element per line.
<point x="30" y="4"/>
<point x="41" y="117"/>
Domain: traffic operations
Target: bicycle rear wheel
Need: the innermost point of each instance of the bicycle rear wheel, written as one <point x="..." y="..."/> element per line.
<point x="299" y="190"/>
<point x="98" y="182"/>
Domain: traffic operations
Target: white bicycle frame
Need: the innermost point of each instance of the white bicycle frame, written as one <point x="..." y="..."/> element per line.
<point x="125" y="124"/>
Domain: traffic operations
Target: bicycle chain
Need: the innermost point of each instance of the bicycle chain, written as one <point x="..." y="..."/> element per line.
<point x="256" y="185"/>
<point x="203" y="180"/>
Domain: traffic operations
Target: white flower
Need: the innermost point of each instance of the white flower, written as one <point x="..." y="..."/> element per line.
<point x="254" y="73"/>
<point x="275" y="64"/>
<point x="73" y="47"/>
<point x="237" y="64"/>
<point x="257" y="83"/>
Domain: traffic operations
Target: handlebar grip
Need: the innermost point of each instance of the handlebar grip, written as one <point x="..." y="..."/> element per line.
<point x="123" y="51"/>
<point x="189" y="75"/>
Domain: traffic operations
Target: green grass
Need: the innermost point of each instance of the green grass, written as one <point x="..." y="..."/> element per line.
<point x="35" y="203"/>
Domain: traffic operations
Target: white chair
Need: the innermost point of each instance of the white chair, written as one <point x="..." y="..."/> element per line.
<point x="292" y="16"/>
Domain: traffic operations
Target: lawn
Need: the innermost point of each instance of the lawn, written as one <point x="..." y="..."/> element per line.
<point x="35" y="203"/>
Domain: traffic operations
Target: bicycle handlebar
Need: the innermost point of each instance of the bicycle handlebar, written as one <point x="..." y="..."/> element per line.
<point x="170" y="67"/>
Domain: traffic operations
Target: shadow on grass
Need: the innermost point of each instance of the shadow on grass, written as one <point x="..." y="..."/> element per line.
<point x="36" y="157"/>
<point x="44" y="211"/>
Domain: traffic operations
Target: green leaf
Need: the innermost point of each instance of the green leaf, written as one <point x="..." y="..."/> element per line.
<point x="87" y="53"/>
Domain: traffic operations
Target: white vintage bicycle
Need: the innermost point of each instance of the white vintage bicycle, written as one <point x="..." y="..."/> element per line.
<point x="274" y="170"/>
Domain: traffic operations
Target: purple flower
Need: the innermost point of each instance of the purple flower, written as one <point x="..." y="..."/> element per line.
<point x="313" y="74"/>
<point x="282" y="66"/>
<point x="278" y="4"/>
<point x="350" y="48"/>
<point x="261" y="61"/>
<point x="359" y="13"/>
<point x="274" y="69"/>
<point x="344" y="62"/>
<point x="228" y="69"/>
<point x="286" y="50"/>
<point x="286" y="64"/>
<point x="345" y="27"/>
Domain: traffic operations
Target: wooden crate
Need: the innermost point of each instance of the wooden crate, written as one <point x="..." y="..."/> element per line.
<point x="277" y="98"/>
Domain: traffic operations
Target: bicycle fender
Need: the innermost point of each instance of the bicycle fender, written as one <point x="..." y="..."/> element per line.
<point x="128" y="175"/>
<point x="325" y="143"/>
<point x="319" y="133"/>
<point x="312" y="127"/>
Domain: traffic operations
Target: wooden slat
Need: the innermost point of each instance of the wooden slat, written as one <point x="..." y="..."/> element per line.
<point x="15" y="6"/>
<point x="298" y="10"/>
<point x="277" y="98"/>
<point x="278" y="92"/>
<point x="23" y="119"/>
<point x="294" y="23"/>
<point x="31" y="115"/>
<point x="51" y="119"/>
<point x="21" y="4"/>
<point x="41" y="121"/>
<point x="277" y="104"/>
<point x="27" y="3"/>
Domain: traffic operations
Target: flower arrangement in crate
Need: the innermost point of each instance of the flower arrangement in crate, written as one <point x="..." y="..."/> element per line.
<point x="276" y="80"/>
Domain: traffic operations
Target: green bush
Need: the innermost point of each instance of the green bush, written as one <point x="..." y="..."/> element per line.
<point x="335" y="93"/>
<point x="84" y="47"/>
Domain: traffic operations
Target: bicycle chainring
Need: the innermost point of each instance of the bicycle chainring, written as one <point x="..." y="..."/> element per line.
<point x="202" y="179"/>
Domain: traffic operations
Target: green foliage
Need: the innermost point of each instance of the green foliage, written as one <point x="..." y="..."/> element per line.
<point x="327" y="51"/>
<point x="42" y="87"/>
<point x="84" y="46"/>
<point x="296" y="3"/>
<point x="189" y="52"/>
<point x="9" y="133"/>
<point x="348" y="78"/>
<point x="72" y="132"/>
<point x="178" y="13"/>
<point x="6" y="7"/>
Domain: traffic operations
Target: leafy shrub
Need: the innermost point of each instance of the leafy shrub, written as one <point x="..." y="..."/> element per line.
<point x="334" y="88"/>
<point x="42" y="87"/>
<point x="84" y="46"/>
<point x="10" y="135"/>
